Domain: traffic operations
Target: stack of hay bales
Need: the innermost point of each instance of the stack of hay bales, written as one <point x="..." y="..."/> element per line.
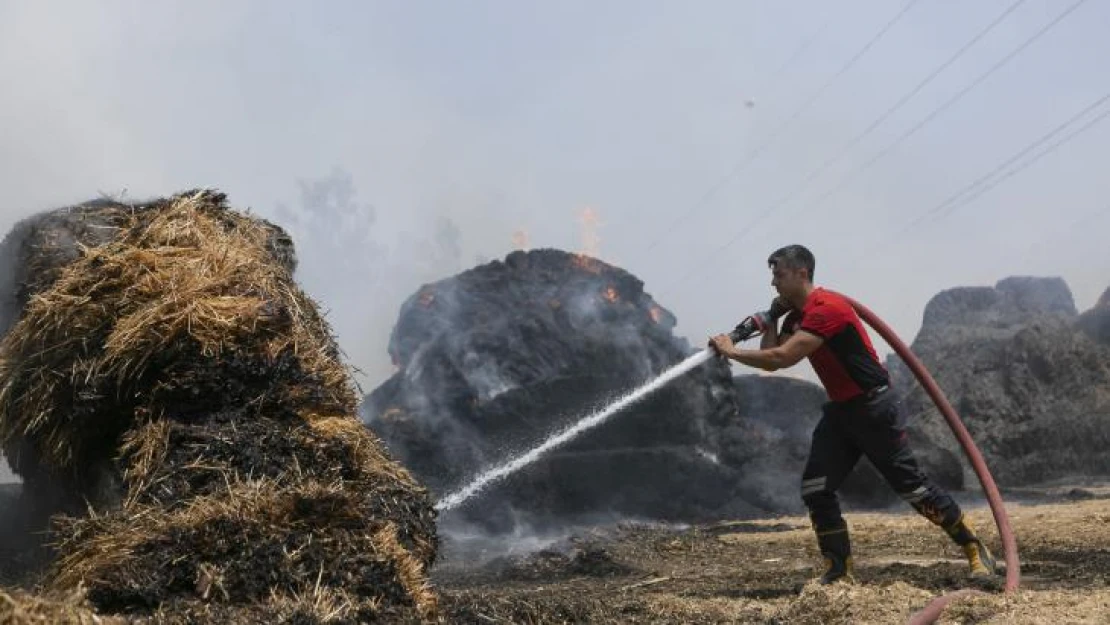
<point x="178" y="357"/>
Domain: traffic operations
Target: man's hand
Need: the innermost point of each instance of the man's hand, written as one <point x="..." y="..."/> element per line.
<point x="781" y="302"/>
<point x="723" y="344"/>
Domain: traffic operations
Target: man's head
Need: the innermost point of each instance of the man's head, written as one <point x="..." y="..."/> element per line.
<point x="792" y="271"/>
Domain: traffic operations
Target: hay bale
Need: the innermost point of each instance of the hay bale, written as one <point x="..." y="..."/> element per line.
<point x="180" y="358"/>
<point x="21" y="608"/>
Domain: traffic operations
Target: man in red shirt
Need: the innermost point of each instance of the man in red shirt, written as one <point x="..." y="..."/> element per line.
<point x="861" y="418"/>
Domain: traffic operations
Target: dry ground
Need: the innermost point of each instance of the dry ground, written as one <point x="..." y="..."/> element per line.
<point x="752" y="572"/>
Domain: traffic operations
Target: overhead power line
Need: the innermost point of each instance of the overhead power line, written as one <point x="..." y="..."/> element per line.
<point x="684" y="215"/>
<point x="953" y="202"/>
<point x="943" y="107"/>
<point x="798" y="52"/>
<point x="977" y="187"/>
<point x="1045" y="152"/>
<point x="798" y="188"/>
<point x="913" y="130"/>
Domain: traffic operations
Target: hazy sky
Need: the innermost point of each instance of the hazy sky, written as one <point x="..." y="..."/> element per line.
<point x="517" y="115"/>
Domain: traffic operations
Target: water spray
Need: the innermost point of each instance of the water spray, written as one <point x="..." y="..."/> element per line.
<point x="572" y="431"/>
<point x="749" y="327"/>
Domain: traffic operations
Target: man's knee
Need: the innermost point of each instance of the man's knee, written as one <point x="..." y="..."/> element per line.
<point x="899" y="467"/>
<point x="822" y="503"/>
<point x="814" y="488"/>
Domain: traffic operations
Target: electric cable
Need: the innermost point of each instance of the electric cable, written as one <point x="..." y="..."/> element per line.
<point x="770" y="82"/>
<point x="913" y="130"/>
<point x="1049" y="150"/>
<point x="798" y="52"/>
<point x="798" y="188"/>
<point x="1082" y="220"/>
<point x="701" y="202"/>
<point x="951" y="202"/>
<point x="948" y="103"/>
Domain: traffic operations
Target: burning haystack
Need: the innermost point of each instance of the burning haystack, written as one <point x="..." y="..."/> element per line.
<point x="175" y="376"/>
<point x="494" y="360"/>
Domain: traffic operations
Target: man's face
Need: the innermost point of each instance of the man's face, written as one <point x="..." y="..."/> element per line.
<point x="788" y="282"/>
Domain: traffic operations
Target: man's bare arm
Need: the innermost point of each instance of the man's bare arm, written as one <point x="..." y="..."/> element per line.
<point x="797" y="347"/>
<point x="770" y="337"/>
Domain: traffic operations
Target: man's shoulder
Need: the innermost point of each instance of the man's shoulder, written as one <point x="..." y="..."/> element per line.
<point x="825" y="298"/>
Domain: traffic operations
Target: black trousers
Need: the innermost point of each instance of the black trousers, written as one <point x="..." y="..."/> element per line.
<point x="876" y="428"/>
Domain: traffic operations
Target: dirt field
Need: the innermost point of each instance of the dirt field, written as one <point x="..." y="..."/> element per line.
<point x="756" y="572"/>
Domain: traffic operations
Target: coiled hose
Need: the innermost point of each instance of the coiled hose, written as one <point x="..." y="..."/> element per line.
<point x="931" y="612"/>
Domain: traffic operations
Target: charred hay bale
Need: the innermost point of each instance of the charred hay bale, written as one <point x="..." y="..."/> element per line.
<point x="34" y="251"/>
<point x="169" y="464"/>
<point x="1096" y="321"/>
<point x="185" y="292"/>
<point x="181" y="358"/>
<point x="493" y="360"/>
<point x="1029" y="382"/>
<point x="239" y="546"/>
<point x="37" y="248"/>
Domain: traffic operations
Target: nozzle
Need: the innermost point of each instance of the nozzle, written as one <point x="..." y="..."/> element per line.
<point x="759" y="322"/>
<point x="745" y="329"/>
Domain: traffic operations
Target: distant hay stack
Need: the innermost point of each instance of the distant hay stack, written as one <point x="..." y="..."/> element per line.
<point x="180" y="357"/>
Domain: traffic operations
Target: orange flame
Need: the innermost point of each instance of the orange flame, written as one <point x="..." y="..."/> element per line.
<point x="587" y="263"/>
<point x="427" y="297"/>
<point x="591" y="243"/>
<point x="656" y="314"/>
<point x="520" y="239"/>
<point x="610" y="294"/>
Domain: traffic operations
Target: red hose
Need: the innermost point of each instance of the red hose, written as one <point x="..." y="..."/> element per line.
<point x="932" y="611"/>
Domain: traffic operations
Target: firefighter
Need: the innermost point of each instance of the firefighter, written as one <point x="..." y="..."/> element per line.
<point x="862" y="415"/>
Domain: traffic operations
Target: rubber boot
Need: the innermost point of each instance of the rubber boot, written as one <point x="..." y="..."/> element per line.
<point x="836" y="548"/>
<point x="979" y="558"/>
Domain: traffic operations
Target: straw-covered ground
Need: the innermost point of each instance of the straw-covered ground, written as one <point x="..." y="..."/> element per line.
<point x="178" y="358"/>
<point x="752" y="572"/>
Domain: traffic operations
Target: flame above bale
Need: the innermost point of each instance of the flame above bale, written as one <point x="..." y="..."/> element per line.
<point x="182" y="356"/>
<point x="587" y="263"/>
<point x="520" y="240"/>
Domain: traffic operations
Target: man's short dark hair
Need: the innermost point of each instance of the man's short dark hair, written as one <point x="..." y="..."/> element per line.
<point x="793" y="257"/>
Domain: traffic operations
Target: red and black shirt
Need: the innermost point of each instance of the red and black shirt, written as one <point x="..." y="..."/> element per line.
<point x="846" y="362"/>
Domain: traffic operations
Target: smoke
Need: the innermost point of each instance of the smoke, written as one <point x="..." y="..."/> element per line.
<point x="361" y="267"/>
<point x="470" y="551"/>
<point x="9" y="311"/>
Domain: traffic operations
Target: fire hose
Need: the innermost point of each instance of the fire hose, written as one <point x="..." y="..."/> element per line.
<point x="931" y="612"/>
